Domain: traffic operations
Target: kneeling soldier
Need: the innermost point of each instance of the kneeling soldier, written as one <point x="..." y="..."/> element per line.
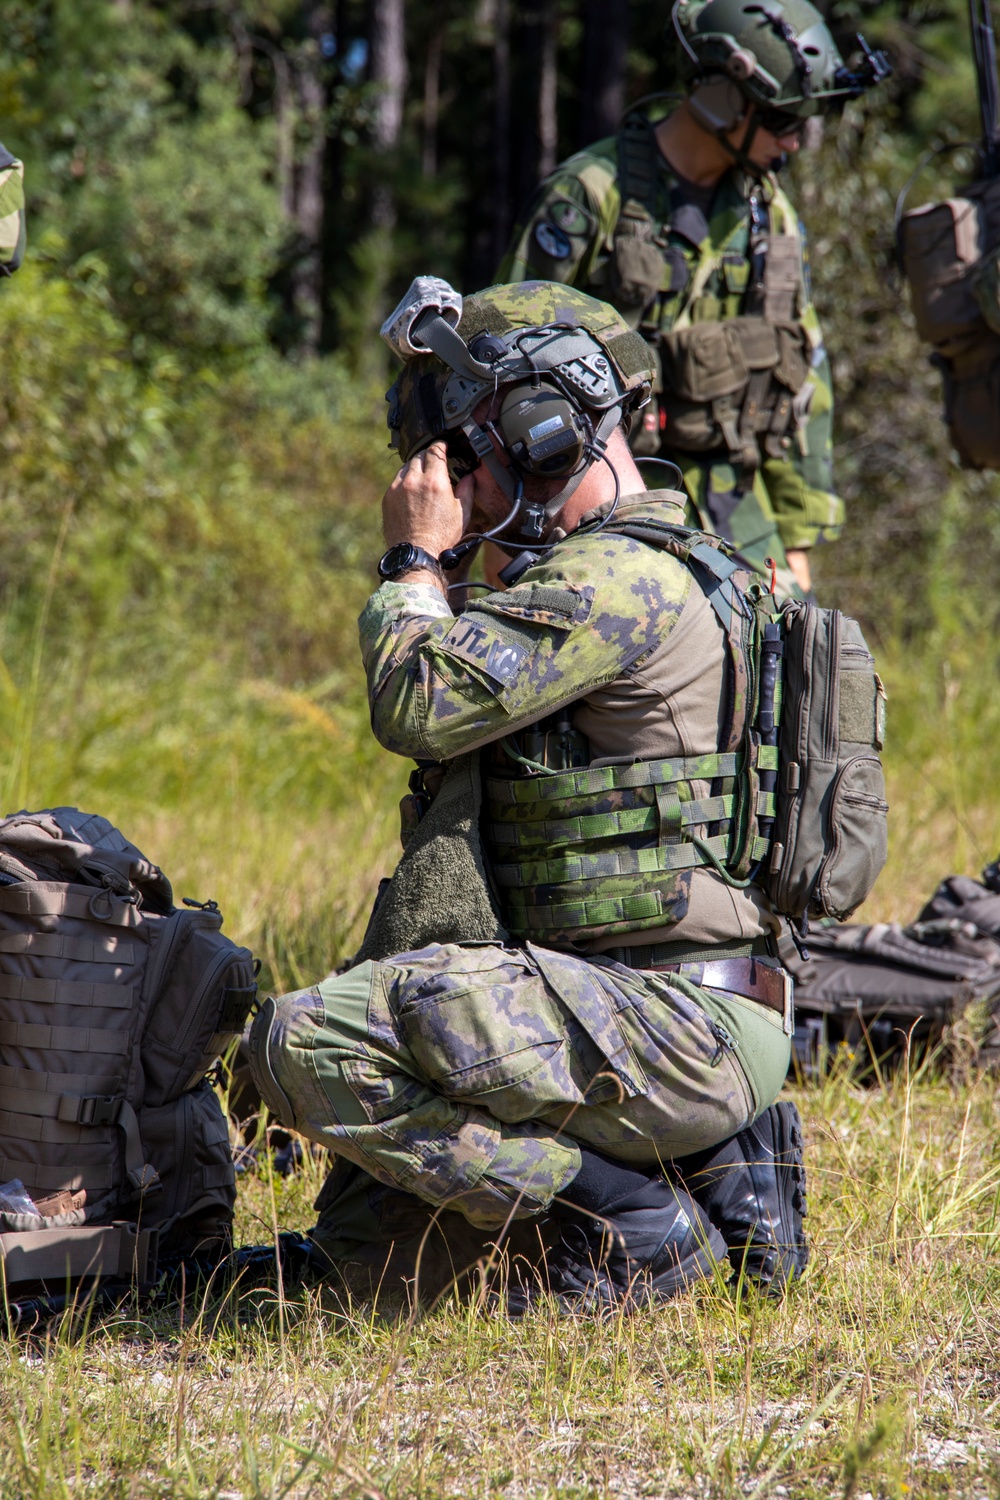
<point x="588" y="1018"/>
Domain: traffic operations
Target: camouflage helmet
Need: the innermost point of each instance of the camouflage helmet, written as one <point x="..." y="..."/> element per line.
<point x="457" y="350"/>
<point x="779" y="53"/>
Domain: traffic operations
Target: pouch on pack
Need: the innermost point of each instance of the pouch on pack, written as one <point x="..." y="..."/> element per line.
<point x="948" y="253"/>
<point x="830" y="832"/>
<point x="829" y="837"/>
<point x="114" y="1005"/>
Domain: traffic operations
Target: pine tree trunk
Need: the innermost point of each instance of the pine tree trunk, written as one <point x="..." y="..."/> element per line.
<point x="432" y="103"/>
<point x="605" y="57"/>
<point x="501" y="125"/>
<point x="309" y="175"/>
<point x="388" y="69"/>
<point x="548" y="85"/>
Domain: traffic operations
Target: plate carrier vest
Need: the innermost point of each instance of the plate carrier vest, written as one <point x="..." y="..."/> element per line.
<point x="796" y="804"/>
<point x="733" y="354"/>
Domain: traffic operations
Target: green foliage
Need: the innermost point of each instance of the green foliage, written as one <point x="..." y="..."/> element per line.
<point x="139" y="151"/>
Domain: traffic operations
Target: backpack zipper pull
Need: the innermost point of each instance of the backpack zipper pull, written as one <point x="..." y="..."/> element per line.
<point x="200" y="905"/>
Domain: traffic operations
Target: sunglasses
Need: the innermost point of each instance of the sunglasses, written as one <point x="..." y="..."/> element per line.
<point x="780" y="123"/>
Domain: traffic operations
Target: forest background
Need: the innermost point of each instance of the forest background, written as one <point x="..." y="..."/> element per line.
<point x="224" y="200"/>
<point x="225" y="196"/>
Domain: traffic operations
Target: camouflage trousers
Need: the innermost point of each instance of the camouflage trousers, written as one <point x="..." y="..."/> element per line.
<point x="469" y="1075"/>
<point x="745" y="518"/>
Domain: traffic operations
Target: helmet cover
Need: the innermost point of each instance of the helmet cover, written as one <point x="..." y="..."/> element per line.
<point x="513" y="333"/>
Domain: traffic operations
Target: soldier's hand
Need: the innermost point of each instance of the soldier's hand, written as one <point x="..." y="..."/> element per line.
<point x="798" y="561"/>
<point x="422" y="506"/>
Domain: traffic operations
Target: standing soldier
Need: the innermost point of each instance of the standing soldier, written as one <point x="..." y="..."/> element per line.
<point x="12" y="234"/>
<point x="682" y="226"/>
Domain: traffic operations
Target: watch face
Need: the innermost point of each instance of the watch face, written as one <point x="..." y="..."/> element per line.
<point x="397" y="560"/>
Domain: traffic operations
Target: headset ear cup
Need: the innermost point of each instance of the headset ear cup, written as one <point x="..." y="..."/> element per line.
<point x="717" y="104"/>
<point x="542" y="431"/>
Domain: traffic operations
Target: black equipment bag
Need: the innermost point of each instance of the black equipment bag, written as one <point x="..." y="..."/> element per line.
<point x="876" y="990"/>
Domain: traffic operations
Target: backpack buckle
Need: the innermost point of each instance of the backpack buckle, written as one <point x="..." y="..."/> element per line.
<point x="90" y="1109"/>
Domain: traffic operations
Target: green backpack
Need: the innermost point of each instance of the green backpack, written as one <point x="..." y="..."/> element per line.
<point x="816" y="696"/>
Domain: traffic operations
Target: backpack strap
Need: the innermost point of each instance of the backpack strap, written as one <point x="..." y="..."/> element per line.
<point x="638" y="162"/>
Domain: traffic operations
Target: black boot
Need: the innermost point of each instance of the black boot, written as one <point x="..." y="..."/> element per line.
<point x="627" y="1237"/>
<point x="753" y="1188"/>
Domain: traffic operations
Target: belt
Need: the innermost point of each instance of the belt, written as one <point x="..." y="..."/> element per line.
<point x="767" y="983"/>
<point x="742" y="976"/>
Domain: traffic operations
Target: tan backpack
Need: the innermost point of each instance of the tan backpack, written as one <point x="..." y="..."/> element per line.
<point x="950" y="254"/>
<point x="114" y="1004"/>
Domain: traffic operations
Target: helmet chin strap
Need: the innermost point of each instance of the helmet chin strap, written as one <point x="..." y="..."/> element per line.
<point x="740" y="153"/>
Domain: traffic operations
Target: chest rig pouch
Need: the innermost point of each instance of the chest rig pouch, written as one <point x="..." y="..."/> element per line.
<point x="795" y="799"/>
<point x="731" y="385"/>
<point x="950" y="254"/>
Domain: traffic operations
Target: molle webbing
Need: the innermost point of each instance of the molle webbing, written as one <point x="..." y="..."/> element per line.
<point x="68" y="1124"/>
<point x="638" y="162"/>
<point x="607" y="849"/>
<point x="598" y="851"/>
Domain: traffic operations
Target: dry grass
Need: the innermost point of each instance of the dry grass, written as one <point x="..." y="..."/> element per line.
<point x="878" y="1375"/>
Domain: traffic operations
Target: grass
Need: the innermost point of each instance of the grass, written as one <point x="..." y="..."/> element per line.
<point x="878" y="1375"/>
<point x="198" y="683"/>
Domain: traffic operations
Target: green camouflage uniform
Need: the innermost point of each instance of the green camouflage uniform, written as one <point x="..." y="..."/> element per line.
<point x="568" y="237"/>
<point x="467" y="1074"/>
<point x="12" y="232"/>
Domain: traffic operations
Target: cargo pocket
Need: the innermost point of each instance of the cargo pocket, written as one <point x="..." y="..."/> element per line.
<point x="858" y="837"/>
<point x="470" y="1046"/>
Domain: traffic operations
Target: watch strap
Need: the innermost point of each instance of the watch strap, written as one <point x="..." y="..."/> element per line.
<point x="403" y="557"/>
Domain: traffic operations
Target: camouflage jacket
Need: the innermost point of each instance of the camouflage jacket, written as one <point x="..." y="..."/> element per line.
<point x="605" y="623"/>
<point x="569" y="235"/>
<point x="12" y="234"/>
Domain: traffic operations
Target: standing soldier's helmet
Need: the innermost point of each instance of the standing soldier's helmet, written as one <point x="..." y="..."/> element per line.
<point x="11" y="212"/>
<point x="777" y="54"/>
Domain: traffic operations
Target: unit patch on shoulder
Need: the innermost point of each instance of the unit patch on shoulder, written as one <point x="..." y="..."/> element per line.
<point x="552" y="241"/>
<point x="485" y="647"/>
<point x="571" y="218"/>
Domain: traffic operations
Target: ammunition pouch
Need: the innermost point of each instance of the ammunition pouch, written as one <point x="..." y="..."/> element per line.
<point x="733" y="386"/>
<point x="950" y="254"/>
<point x="637" y="267"/>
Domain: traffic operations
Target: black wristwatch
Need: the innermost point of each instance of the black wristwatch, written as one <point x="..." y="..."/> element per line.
<point x="403" y="557"/>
